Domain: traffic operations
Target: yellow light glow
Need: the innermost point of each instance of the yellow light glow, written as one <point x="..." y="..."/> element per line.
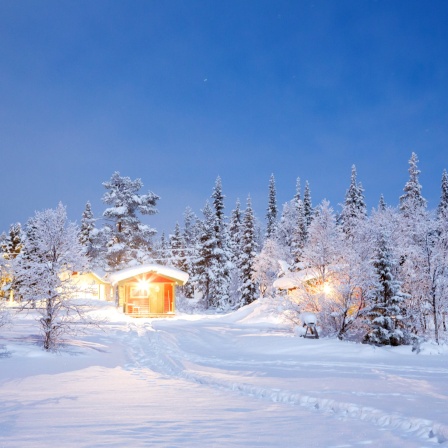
<point x="327" y="288"/>
<point x="143" y="285"/>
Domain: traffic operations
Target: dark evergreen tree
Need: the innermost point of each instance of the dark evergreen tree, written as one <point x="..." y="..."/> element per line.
<point x="249" y="252"/>
<point x="307" y="205"/>
<point x="271" y="216"/>
<point x="385" y="312"/>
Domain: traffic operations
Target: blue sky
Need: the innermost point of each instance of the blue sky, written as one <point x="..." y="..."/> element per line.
<point x="179" y="92"/>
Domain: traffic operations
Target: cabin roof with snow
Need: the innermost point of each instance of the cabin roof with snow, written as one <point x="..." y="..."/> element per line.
<point x="293" y="280"/>
<point x="171" y="273"/>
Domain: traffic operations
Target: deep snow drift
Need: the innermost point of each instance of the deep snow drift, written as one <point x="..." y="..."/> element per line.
<point x="238" y="380"/>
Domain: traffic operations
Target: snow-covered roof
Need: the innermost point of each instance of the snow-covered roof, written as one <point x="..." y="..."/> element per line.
<point x="166" y="271"/>
<point x="293" y="279"/>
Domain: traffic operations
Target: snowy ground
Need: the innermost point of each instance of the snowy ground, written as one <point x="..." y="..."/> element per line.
<point x="239" y="380"/>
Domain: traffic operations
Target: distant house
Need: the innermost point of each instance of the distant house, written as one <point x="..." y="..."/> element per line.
<point x="92" y="286"/>
<point x="147" y="290"/>
<point x="292" y="281"/>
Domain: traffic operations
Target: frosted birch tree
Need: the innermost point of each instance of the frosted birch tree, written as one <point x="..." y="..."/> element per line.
<point x="44" y="270"/>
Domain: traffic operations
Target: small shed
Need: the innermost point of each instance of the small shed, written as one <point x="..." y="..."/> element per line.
<point x="147" y="290"/>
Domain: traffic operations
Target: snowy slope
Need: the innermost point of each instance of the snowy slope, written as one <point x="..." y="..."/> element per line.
<point x="239" y="380"/>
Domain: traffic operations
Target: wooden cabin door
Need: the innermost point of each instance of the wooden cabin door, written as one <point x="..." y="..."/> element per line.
<point x="156" y="300"/>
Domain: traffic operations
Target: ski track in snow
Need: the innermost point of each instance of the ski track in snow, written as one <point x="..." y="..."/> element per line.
<point x="152" y="349"/>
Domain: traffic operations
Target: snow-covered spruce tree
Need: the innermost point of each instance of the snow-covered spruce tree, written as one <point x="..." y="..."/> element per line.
<point x="204" y="273"/>
<point x="162" y="250"/>
<point x="300" y="229"/>
<point x="442" y="209"/>
<point x="177" y="249"/>
<point x="382" y="204"/>
<point x="298" y="194"/>
<point x="412" y="200"/>
<point x="51" y="253"/>
<point x="190" y="236"/>
<point x="191" y="226"/>
<point x="87" y="225"/>
<point x="220" y="287"/>
<point x="384" y="314"/>
<point x="249" y="252"/>
<point x="89" y="234"/>
<point x="414" y="225"/>
<point x="127" y="238"/>
<point x="271" y="215"/>
<point x="235" y="224"/>
<point x="300" y="236"/>
<point x="307" y="205"/>
<point x="354" y="208"/>
<point x="286" y="229"/>
<point x="235" y="234"/>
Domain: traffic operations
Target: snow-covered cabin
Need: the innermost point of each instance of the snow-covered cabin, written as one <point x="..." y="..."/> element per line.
<point x="148" y="290"/>
<point x="293" y="280"/>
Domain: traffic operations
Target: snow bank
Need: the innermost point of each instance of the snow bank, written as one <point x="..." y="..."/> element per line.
<point x="258" y="312"/>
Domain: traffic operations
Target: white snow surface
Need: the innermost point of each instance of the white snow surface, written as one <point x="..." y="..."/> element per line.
<point x="167" y="271"/>
<point x="235" y="380"/>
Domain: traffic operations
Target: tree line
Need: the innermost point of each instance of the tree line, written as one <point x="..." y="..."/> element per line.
<point x="380" y="277"/>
